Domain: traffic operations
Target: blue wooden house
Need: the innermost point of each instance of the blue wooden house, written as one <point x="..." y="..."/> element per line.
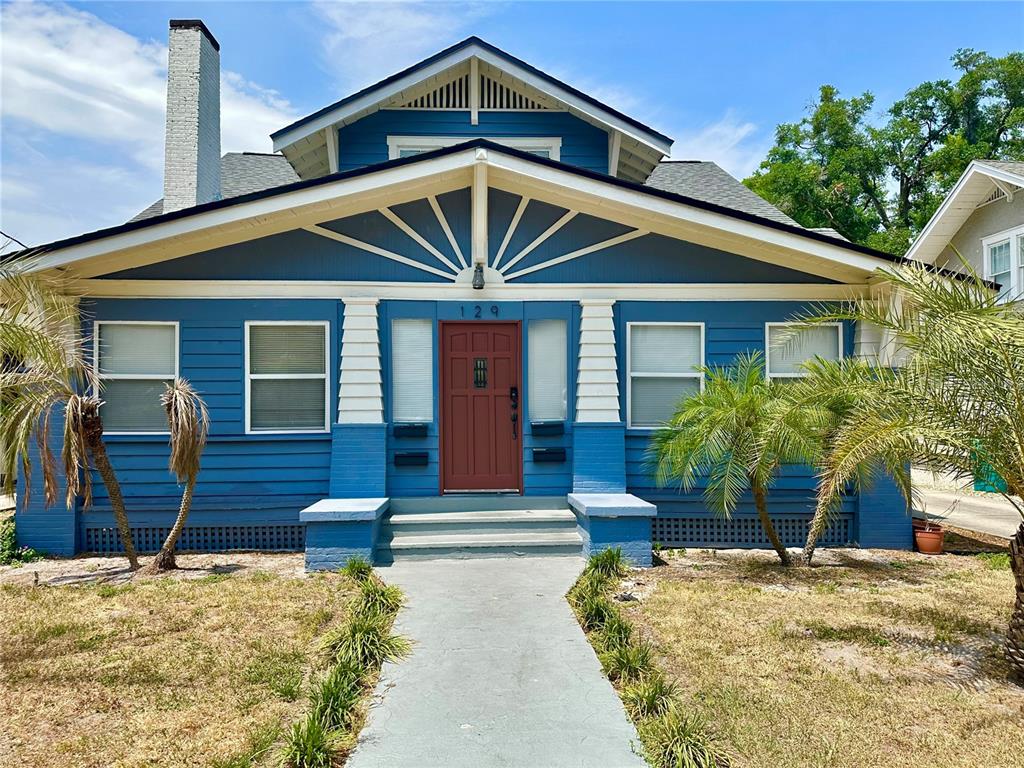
<point x="442" y="319"/>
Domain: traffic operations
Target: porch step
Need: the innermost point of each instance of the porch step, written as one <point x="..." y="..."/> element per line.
<point x="462" y="545"/>
<point x="478" y="533"/>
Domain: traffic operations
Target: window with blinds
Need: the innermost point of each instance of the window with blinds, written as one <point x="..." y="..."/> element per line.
<point x="134" y="363"/>
<point x="790" y="346"/>
<point x="664" y="362"/>
<point x="412" y="370"/>
<point x="286" y="377"/>
<point x="548" y="378"/>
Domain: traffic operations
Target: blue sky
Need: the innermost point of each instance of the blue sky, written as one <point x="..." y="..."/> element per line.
<point x="82" y="107"/>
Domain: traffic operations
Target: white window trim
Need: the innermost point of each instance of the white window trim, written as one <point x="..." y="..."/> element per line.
<point x="553" y="144"/>
<point x="699" y="375"/>
<point x="132" y="376"/>
<point x="767" y="348"/>
<point x="326" y="376"/>
<point x="1015" y="288"/>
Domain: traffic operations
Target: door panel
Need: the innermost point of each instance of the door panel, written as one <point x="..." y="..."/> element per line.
<point x="480" y="445"/>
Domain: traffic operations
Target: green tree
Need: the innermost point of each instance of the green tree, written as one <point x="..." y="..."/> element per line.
<point x="877" y="181"/>
<point x="954" y="404"/>
<point x="731" y="438"/>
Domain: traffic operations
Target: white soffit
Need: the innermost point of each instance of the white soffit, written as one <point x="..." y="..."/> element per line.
<point x="973" y="188"/>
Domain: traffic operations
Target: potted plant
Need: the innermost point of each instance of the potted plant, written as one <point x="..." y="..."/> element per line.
<point x="929" y="535"/>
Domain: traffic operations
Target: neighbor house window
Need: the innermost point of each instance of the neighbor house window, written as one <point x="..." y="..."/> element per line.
<point x="134" y="363"/>
<point x="286" y="377"/>
<point x="407" y="146"/>
<point x="790" y="346"/>
<point x="547" y="354"/>
<point x="1004" y="262"/>
<point x="664" y="361"/>
<point x="412" y="370"/>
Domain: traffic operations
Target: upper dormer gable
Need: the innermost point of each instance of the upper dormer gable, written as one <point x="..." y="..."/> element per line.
<point x="477" y="84"/>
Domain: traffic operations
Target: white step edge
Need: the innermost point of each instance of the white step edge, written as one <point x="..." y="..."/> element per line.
<point x="473" y="540"/>
<point x="490" y="516"/>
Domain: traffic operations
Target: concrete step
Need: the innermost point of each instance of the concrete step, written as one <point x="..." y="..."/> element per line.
<point x="437" y="545"/>
<point x="488" y="521"/>
<point x="472" y="502"/>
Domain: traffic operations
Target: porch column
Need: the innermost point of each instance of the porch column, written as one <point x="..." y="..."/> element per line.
<point x="599" y="434"/>
<point x="359" y="444"/>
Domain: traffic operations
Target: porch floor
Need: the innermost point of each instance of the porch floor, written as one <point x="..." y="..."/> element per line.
<point x="500" y="674"/>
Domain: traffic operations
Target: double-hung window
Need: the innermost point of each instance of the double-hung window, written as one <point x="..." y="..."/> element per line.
<point x="664" y="362"/>
<point x="134" y="363"/>
<point x="790" y="346"/>
<point x="1004" y="262"/>
<point x="286" y="382"/>
<point x="547" y="342"/>
<point x="412" y="370"/>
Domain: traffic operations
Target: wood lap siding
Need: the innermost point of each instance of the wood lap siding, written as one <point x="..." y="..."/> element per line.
<point x="365" y="142"/>
<point x="239" y="472"/>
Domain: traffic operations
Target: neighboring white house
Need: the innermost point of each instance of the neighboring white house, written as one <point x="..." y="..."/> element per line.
<point x="982" y="219"/>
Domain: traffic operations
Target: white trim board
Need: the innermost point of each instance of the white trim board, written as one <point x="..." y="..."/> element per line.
<point x="553" y="144"/>
<point x="325" y="289"/>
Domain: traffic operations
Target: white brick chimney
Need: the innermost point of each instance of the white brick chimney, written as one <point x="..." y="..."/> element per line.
<point x="192" y="150"/>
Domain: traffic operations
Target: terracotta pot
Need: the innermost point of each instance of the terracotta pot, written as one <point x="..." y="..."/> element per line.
<point x="929" y="541"/>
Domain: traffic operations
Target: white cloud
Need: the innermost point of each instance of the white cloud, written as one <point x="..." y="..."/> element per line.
<point x="736" y="145"/>
<point x="72" y="81"/>
<point x="366" y="42"/>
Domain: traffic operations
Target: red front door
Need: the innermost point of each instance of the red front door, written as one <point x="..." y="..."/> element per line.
<point x="480" y="427"/>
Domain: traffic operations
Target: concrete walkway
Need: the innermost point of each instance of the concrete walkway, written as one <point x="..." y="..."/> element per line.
<point x="984" y="513"/>
<point x="500" y="675"/>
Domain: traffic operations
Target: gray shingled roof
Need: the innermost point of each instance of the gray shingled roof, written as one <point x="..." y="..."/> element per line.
<point x="828" y="231"/>
<point x="240" y="174"/>
<point x="1011" y="166"/>
<point x="705" y="181"/>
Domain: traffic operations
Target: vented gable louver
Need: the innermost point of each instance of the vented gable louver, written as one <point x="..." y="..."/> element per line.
<point x="455" y="94"/>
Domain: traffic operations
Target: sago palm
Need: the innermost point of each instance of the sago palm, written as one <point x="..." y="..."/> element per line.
<point x="45" y="375"/>
<point x="188" y="424"/>
<point x="954" y="403"/>
<point x="730" y="438"/>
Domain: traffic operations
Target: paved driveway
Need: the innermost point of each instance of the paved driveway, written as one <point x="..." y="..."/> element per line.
<point x="501" y="674"/>
<point x="985" y="513"/>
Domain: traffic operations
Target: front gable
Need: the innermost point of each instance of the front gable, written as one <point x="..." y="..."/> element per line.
<point x="427" y="240"/>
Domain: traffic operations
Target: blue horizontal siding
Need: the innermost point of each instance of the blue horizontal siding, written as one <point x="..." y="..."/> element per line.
<point x="261" y="476"/>
<point x="364" y="142"/>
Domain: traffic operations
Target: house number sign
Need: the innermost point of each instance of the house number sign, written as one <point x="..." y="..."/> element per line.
<point x="477" y="311"/>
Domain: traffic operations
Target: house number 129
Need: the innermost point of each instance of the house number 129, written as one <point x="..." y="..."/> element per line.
<point x="478" y="311"/>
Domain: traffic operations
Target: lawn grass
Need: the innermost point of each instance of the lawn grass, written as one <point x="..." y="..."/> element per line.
<point x="877" y="659"/>
<point x="162" y="672"/>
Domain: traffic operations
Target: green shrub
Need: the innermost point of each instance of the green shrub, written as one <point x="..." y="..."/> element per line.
<point x="608" y="563"/>
<point x="335" y="697"/>
<point x="587" y="586"/>
<point x="377" y="597"/>
<point x="677" y="740"/>
<point x="595" y="611"/>
<point x="358" y="569"/>
<point x="649" y="697"/>
<point x="616" y="633"/>
<point x="310" y="744"/>
<point x="366" y="642"/>
<point x="10" y="552"/>
<point x="628" y="664"/>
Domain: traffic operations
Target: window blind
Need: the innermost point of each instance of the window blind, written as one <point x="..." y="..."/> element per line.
<point x="664" y="367"/>
<point x="136" y="349"/>
<point x="412" y="370"/>
<point x="135" y="362"/>
<point x="287" y="379"/>
<point x="788" y="347"/>
<point x="548" y="384"/>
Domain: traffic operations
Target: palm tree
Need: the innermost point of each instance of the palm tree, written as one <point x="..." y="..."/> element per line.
<point x="188" y="422"/>
<point x="954" y="404"/>
<point x="44" y="373"/>
<point x="730" y="435"/>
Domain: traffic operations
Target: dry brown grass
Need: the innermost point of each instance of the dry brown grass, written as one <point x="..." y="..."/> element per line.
<point x="874" y="659"/>
<point x="161" y="672"/>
